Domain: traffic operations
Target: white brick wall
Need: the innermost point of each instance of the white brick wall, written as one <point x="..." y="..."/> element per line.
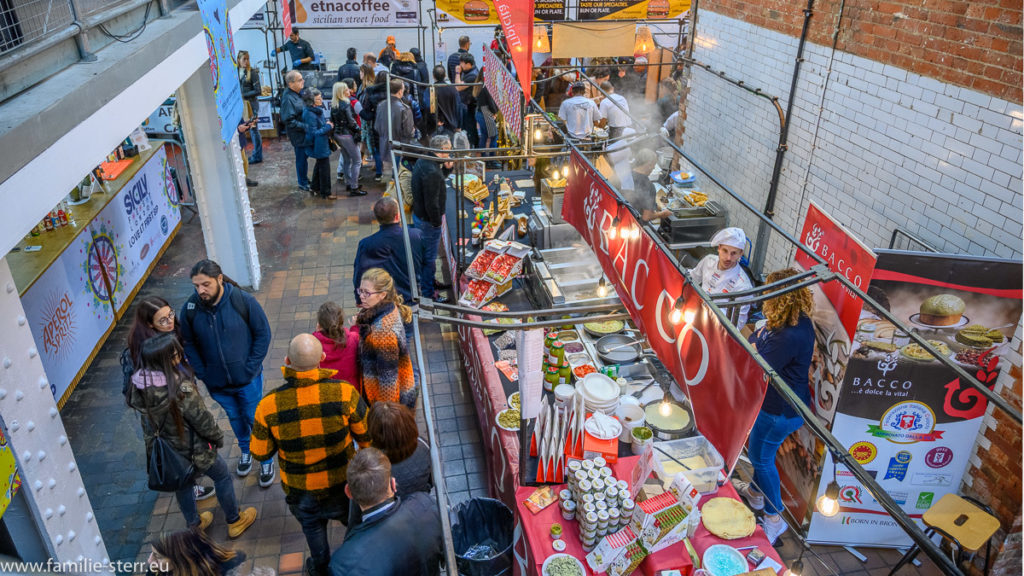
<point x="892" y="149"/>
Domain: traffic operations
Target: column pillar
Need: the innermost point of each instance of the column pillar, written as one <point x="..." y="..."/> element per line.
<point x="50" y="480"/>
<point x="219" y="181"/>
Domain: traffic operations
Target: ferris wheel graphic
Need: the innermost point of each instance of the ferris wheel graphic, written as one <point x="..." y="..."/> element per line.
<point x="103" y="270"/>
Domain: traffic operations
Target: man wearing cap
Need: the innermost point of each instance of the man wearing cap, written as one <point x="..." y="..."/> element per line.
<point x="720" y="273"/>
<point x="389" y="44"/>
<point x="579" y="113"/>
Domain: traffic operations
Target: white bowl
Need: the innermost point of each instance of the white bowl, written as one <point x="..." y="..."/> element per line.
<point x="600" y="389"/>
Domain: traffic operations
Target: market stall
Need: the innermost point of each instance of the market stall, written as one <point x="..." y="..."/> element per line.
<point x="79" y="269"/>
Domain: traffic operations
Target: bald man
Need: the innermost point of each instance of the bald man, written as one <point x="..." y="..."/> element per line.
<point x="310" y="422"/>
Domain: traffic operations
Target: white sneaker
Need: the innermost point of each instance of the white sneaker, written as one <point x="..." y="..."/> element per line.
<point x="745" y="489"/>
<point x="772" y="530"/>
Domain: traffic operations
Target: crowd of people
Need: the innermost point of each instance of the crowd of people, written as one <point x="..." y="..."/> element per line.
<point x="340" y="423"/>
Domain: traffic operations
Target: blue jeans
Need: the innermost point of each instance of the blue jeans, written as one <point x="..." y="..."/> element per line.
<point x="225" y="494"/>
<point x="301" y="165"/>
<point x="257" y="146"/>
<point x="313" y="513"/>
<point x="240" y="406"/>
<point x="431" y="241"/>
<point x="768" y="433"/>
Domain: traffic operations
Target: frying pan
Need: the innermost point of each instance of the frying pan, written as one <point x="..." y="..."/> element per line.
<point x="617" y="349"/>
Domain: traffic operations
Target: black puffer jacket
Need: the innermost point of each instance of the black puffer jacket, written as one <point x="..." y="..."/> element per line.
<point x="407" y="70"/>
<point x="344" y="120"/>
<point x="372" y="96"/>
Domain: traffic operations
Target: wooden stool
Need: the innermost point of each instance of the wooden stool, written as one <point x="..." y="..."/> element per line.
<point x="963" y="521"/>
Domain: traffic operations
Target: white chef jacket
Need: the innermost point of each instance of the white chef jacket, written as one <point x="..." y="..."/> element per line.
<point x="617" y="117"/>
<point x="579" y="113"/>
<point x="715" y="281"/>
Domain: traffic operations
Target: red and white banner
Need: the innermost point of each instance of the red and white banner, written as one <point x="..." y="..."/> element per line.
<point x="845" y="255"/>
<point x="724" y="383"/>
<point x="504" y="90"/>
<point x="517" y="23"/>
<point x="286" y="17"/>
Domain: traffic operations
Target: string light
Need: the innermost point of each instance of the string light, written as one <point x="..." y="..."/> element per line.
<point x="677" y="310"/>
<point x="613" y="231"/>
<point x="565" y="172"/>
<point x="602" y="288"/>
<point x="538" y="135"/>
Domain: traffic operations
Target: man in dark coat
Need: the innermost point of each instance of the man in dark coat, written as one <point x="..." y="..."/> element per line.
<point x="292" y="106"/>
<point x="350" y="69"/>
<point x="465" y="75"/>
<point x="429" y="195"/>
<point x="396" y="536"/>
<point x="226" y="336"/>
<point x="446" y="99"/>
<point x="386" y="249"/>
<point x="453" y="59"/>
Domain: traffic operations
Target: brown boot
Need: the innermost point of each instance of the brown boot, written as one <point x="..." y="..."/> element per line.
<point x="205" y="519"/>
<point x="245" y="519"/>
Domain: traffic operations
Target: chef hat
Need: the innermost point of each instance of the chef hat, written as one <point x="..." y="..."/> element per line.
<point x="730" y="237"/>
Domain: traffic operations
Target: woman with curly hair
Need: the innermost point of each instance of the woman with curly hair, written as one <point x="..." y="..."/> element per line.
<point x="786" y="342"/>
<point x="384" y="357"/>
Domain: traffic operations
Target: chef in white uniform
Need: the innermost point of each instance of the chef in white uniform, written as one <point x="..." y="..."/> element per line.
<point x="720" y="273"/>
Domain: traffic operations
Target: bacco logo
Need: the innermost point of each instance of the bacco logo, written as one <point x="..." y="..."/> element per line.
<point x="814" y="237"/>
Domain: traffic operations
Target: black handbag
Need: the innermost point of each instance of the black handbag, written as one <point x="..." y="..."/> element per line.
<point x="166" y="469"/>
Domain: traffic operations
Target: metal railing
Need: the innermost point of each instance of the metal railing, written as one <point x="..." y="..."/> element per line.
<point x="24" y="21"/>
<point x="903" y="240"/>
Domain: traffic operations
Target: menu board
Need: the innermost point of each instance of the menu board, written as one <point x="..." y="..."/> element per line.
<point x="631" y="9"/>
<point x="484" y="12"/>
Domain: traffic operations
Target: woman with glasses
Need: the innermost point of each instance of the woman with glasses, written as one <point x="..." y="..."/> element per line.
<point x="153" y="316"/>
<point x="383" y="350"/>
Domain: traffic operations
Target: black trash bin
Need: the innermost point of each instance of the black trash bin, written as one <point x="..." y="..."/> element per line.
<point x="482" y="535"/>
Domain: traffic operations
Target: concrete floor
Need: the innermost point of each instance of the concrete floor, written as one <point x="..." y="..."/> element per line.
<point x="306" y="249"/>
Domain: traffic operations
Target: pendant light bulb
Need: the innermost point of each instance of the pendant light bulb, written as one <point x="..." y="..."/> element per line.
<point x="602" y="288"/>
<point x="613" y="231"/>
<point x="676" y="315"/>
<point x="538" y="135"/>
<point x="665" y="408"/>
<point x="565" y="172"/>
<point x="797" y="567"/>
<point x="828" y="503"/>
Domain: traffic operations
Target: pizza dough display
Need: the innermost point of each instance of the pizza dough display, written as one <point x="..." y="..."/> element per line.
<point x="727" y="518"/>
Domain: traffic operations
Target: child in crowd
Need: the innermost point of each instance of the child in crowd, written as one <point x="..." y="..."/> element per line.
<point x="341" y="344"/>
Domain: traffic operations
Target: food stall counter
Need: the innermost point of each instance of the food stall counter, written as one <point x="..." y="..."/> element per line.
<point x="534" y="543"/>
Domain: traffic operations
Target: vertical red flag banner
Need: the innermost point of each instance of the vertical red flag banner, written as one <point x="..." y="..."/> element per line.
<point x="516" y="17"/>
<point x="286" y="17"/>
<point x="845" y="255"/>
<point x="724" y="383"/>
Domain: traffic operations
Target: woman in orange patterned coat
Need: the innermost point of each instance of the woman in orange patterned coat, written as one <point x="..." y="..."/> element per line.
<point x="383" y="349"/>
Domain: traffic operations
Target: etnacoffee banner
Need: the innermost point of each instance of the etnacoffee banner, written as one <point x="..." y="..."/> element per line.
<point x="904" y="416"/>
<point x="356" y="13"/>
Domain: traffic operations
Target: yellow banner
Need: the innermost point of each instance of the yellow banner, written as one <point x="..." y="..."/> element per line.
<point x="631" y="9"/>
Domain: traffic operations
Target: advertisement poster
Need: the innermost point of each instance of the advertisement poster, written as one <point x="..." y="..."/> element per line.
<point x="836" y="313"/>
<point x="69" y="305"/>
<point x="905" y="417"/>
<point x="141" y="218"/>
<point x="349" y="14"/>
<point x="505" y="91"/>
<point x="719" y="375"/>
<point x="484" y="12"/>
<point x="631" y="9"/>
<point x="223" y="68"/>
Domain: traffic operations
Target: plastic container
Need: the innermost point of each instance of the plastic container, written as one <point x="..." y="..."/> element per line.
<point x="704" y="479"/>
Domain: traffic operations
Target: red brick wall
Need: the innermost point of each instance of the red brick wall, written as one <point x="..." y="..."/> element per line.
<point x="976" y="44"/>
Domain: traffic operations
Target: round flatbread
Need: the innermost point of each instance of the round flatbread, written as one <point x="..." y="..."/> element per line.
<point x="727" y="518"/>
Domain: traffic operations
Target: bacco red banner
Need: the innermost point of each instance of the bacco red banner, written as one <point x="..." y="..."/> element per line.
<point x="724" y="383"/>
<point x="516" y="17"/>
<point x="504" y="91"/>
<point x="845" y="255"/>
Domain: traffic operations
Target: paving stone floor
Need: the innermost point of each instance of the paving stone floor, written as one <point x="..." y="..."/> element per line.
<point x="306" y="249"/>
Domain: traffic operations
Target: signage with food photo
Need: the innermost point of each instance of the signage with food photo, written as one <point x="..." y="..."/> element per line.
<point x="631" y="9"/>
<point x="919" y="418"/>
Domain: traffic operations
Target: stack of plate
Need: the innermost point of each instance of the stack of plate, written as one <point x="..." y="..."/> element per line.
<point x="600" y="393"/>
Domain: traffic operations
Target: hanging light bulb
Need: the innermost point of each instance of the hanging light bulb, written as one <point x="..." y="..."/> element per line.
<point x="565" y="171"/>
<point x="677" y="310"/>
<point x="828" y="503"/>
<point x="644" y="40"/>
<point x="538" y="135"/>
<point x="665" y="408"/>
<point x="602" y="288"/>
<point x="797" y="567"/>
<point x="613" y="231"/>
<point x="541" y="44"/>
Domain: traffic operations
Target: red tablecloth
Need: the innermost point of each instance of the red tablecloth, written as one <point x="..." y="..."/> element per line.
<point x="533" y="529"/>
<point x="501" y="446"/>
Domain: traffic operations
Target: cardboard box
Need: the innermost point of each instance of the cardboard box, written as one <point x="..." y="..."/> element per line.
<point x="665" y="519"/>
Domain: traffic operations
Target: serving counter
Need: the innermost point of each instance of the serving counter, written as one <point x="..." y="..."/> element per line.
<point x="78" y="280"/>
